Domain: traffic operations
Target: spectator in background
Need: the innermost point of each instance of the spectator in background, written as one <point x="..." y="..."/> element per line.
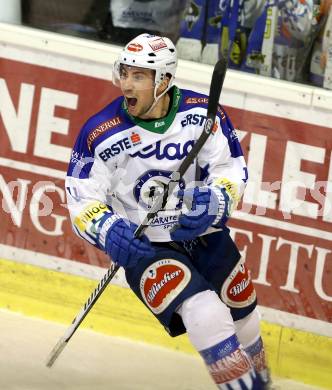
<point x="268" y="37"/>
<point x="321" y="58"/>
<point x="192" y="32"/>
<point x="210" y="26"/>
<point x="114" y="21"/>
<point x="10" y="11"/>
<point x="128" y="18"/>
<point x="296" y="26"/>
<point x="83" y="18"/>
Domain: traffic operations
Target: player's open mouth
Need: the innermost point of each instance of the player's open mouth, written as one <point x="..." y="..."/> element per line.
<point x="131" y="102"/>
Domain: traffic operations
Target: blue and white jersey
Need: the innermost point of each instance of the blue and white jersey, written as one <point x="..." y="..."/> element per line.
<point x="120" y="163"/>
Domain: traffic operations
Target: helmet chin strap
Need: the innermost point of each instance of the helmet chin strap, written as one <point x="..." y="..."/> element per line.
<point x="156" y="99"/>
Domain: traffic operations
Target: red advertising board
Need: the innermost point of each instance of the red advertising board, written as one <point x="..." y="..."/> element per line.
<point x="36" y="103"/>
<point x="288" y="244"/>
<point x="283" y="226"/>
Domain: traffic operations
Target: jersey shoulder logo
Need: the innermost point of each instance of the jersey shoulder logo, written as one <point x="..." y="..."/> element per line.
<point x="196" y="100"/>
<point x="101" y="129"/>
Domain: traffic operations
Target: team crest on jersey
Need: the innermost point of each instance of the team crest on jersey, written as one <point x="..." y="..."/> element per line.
<point x="162" y="282"/>
<point x="238" y="290"/>
<point x="77" y="158"/>
<point x="151" y="185"/>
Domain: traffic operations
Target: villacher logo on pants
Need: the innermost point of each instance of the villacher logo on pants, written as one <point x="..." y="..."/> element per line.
<point x="162" y="282"/>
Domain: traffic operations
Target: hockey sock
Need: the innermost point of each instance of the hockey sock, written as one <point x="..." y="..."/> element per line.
<point x="248" y="333"/>
<point x="230" y="366"/>
<point x="257" y="354"/>
<point x="211" y="330"/>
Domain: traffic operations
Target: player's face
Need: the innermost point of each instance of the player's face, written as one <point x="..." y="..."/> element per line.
<point x="137" y="85"/>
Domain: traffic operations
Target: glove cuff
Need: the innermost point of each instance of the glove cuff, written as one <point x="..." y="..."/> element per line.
<point x="223" y="206"/>
<point x="104" y="227"/>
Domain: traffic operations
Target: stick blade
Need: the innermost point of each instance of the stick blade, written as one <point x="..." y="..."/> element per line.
<point x="58" y="348"/>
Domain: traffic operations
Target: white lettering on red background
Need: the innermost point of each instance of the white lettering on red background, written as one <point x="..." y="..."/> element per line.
<point x="238" y="290"/>
<point x="17" y="123"/>
<point x="231" y="367"/>
<point x="35" y="198"/>
<point x="287" y="265"/>
<point x="162" y="282"/>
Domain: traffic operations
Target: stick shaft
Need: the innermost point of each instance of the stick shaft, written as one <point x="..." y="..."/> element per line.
<point x="216" y="85"/>
<point x="176" y="177"/>
<point x="58" y="348"/>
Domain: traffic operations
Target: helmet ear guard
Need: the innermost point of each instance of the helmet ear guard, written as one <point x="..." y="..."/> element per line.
<point x="116" y="73"/>
<point x="161" y="75"/>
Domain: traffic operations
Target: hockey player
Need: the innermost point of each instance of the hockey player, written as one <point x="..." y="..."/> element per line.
<point x="185" y="268"/>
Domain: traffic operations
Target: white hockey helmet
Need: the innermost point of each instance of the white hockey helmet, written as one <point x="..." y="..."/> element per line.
<point x="150" y="52"/>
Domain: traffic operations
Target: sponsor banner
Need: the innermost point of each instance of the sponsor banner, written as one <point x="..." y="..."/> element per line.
<point x="41" y="112"/>
<point x="34" y="216"/>
<point x="290" y="271"/>
<point x="284" y="223"/>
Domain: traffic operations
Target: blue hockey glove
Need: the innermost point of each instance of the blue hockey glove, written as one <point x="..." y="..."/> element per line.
<point x="121" y="245"/>
<point x="208" y="206"/>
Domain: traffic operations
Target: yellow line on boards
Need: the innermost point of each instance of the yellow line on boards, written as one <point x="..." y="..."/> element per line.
<point x="55" y="296"/>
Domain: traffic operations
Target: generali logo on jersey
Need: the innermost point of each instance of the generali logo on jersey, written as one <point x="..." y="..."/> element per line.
<point x="204" y="100"/>
<point x="162" y="282"/>
<point x="197" y="100"/>
<point x="158" y="44"/>
<point x="98" y="131"/>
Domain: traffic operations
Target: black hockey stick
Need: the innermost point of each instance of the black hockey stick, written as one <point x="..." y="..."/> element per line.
<point x="217" y="81"/>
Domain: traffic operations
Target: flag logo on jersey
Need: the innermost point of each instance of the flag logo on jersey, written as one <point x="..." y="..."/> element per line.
<point x="238" y="290"/>
<point x="162" y="282"/>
